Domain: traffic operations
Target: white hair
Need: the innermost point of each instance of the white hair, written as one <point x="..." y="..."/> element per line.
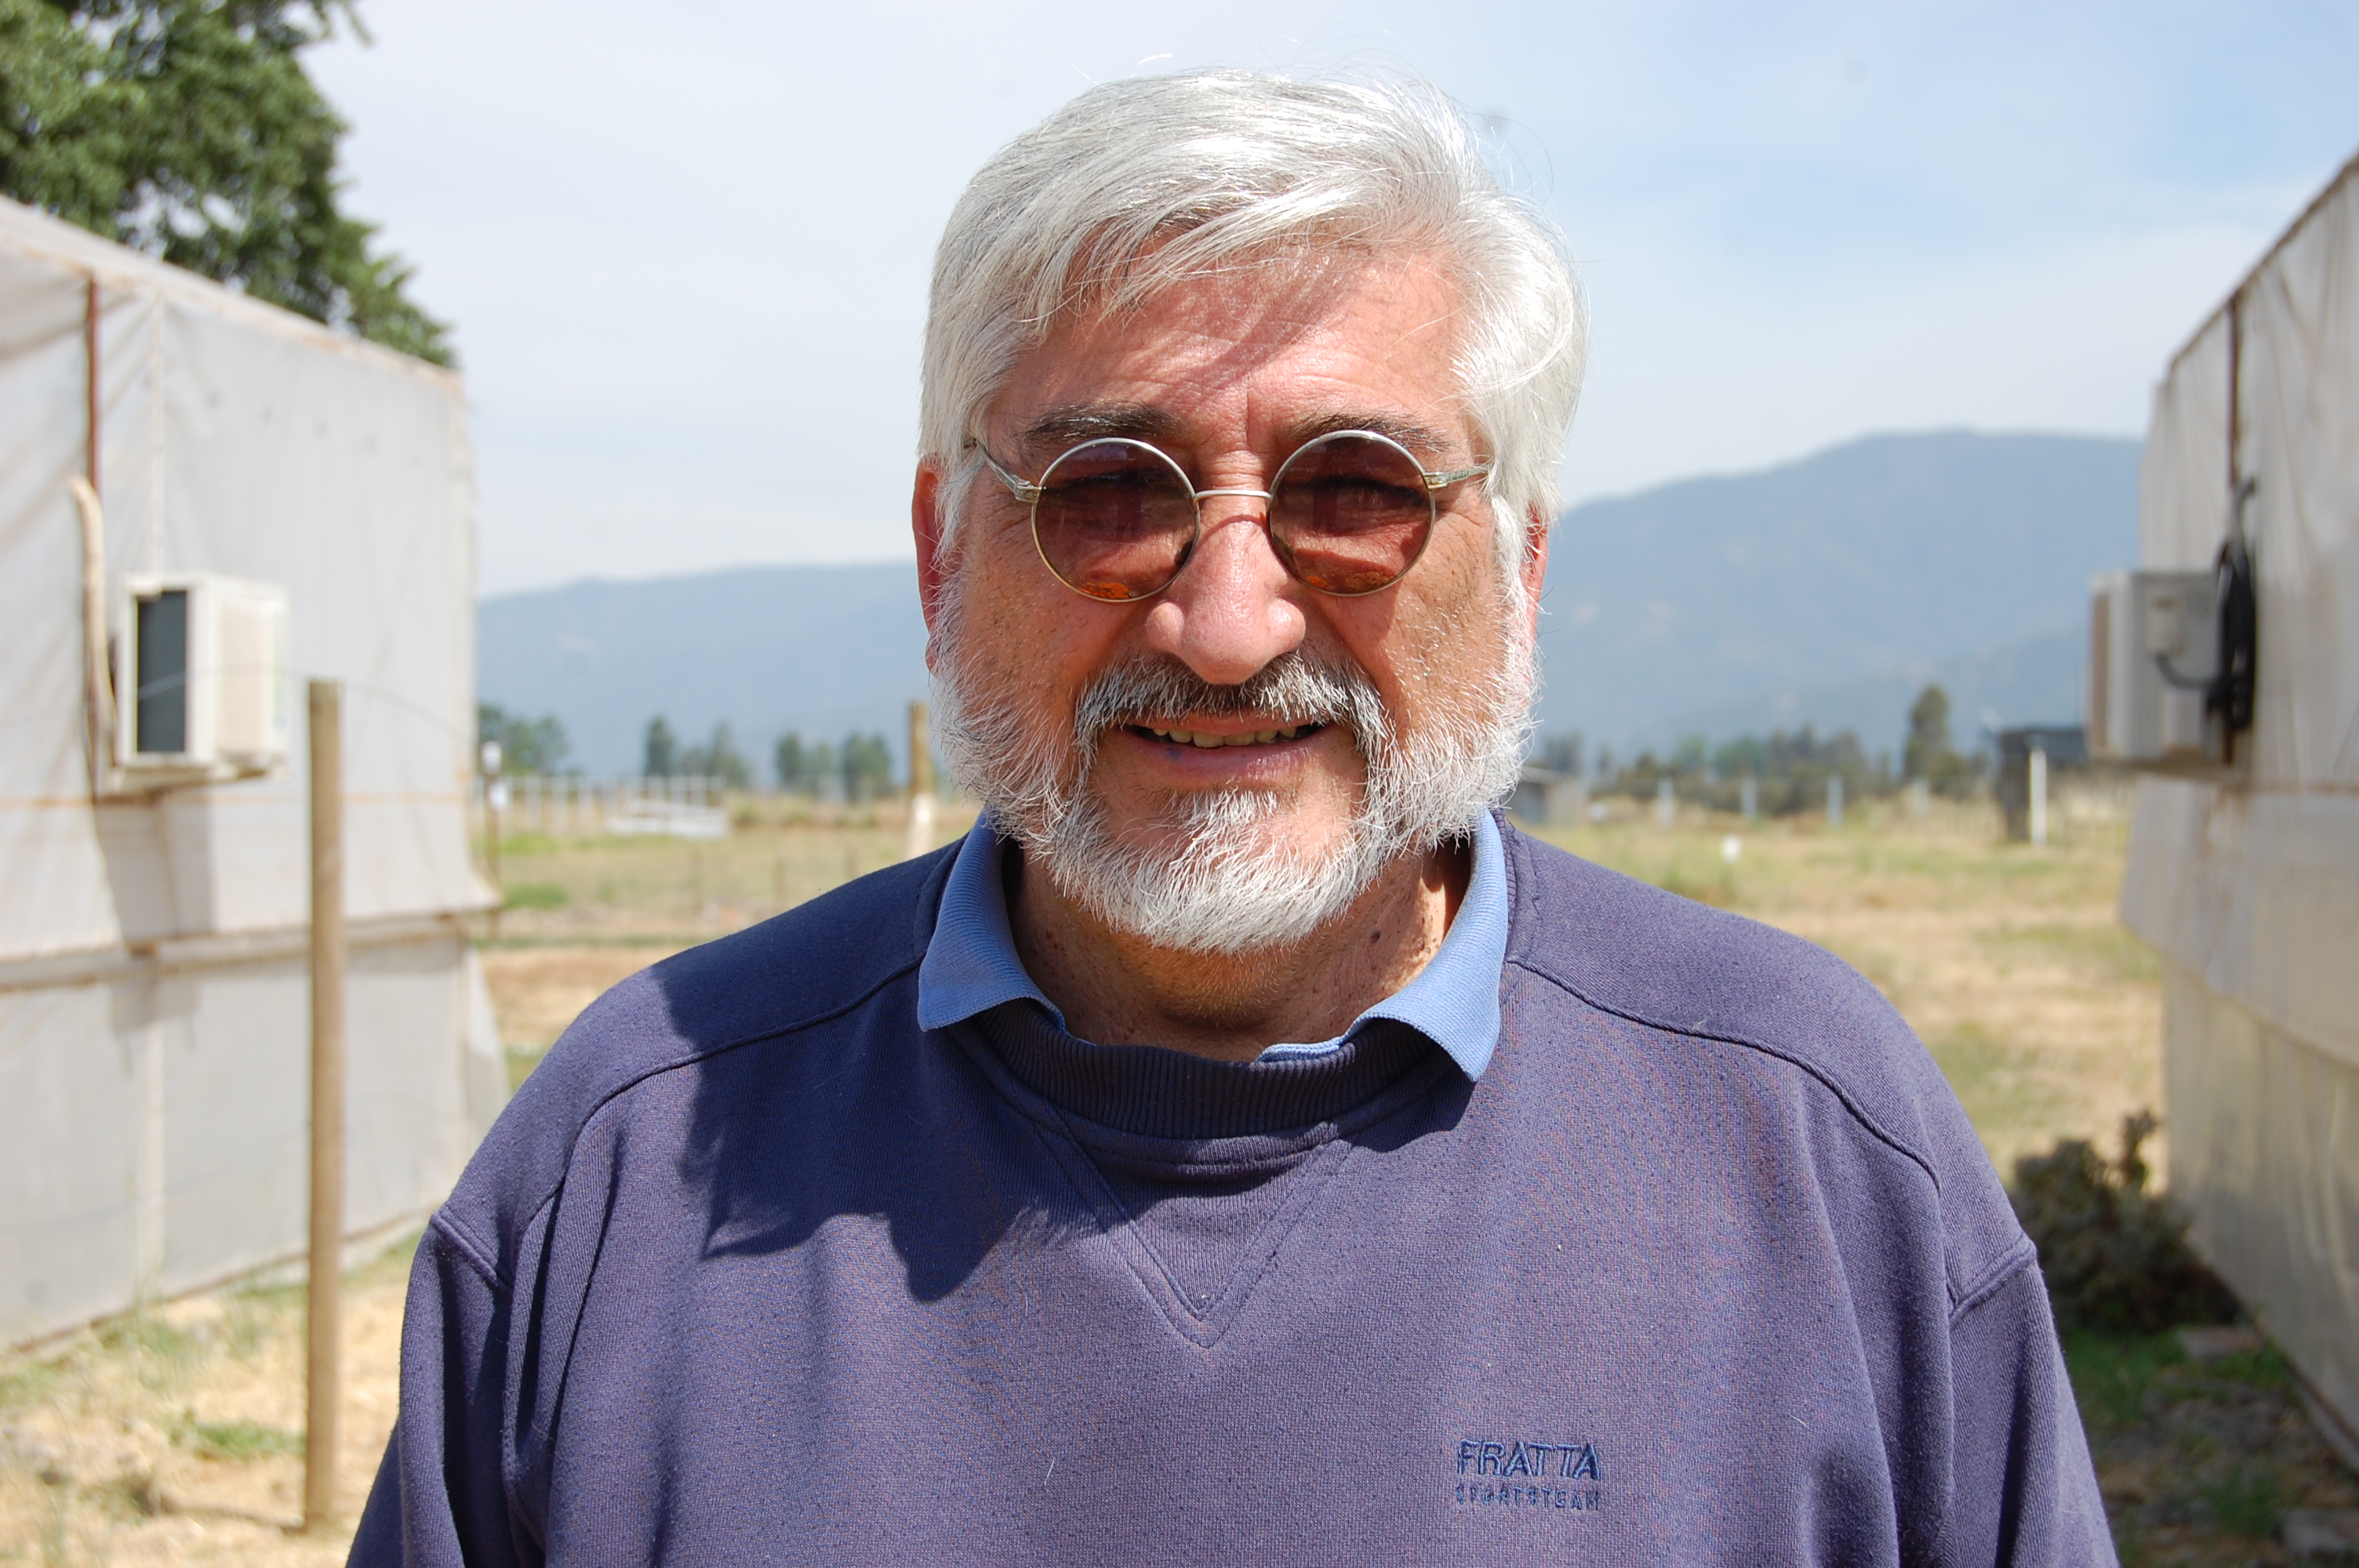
<point x="1138" y="185"/>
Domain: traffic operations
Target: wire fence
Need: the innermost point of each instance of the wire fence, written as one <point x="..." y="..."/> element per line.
<point x="683" y="806"/>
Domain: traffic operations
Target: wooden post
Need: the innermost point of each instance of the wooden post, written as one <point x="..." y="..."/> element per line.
<point x="921" y="783"/>
<point x="495" y="800"/>
<point x="324" y="1382"/>
<point x="2038" y="782"/>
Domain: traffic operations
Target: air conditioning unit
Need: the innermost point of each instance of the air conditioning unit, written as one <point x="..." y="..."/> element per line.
<point x="204" y="692"/>
<point x="2160" y="671"/>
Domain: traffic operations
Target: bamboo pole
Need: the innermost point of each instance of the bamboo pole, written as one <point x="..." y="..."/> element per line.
<point x="324" y="1379"/>
<point x="495" y="800"/>
<point x="921" y="783"/>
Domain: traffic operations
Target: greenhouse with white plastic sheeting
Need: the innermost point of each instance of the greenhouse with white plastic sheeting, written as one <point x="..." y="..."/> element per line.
<point x="205" y="501"/>
<point x="2245" y="876"/>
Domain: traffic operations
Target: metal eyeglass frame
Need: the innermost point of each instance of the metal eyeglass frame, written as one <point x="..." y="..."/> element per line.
<point x="1029" y="493"/>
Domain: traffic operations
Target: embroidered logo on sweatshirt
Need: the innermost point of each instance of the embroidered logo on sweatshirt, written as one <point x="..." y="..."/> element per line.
<point x="1521" y="1474"/>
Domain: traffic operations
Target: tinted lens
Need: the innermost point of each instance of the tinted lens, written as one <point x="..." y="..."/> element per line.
<point x="1115" y="520"/>
<point x="1350" y="513"/>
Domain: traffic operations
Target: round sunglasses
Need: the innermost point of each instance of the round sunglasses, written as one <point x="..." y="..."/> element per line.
<point x="1349" y="514"/>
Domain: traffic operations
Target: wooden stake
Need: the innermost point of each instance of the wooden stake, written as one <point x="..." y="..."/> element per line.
<point x="324" y="1382"/>
<point x="921" y="785"/>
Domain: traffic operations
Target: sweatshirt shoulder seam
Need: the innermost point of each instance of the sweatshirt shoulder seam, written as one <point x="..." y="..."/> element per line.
<point x="2010" y="1265"/>
<point x="1827" y="1080"/>
<point x="469" y="1249"/>
<point x="502" y="1280"/>
<point x="1995" y="1276"/>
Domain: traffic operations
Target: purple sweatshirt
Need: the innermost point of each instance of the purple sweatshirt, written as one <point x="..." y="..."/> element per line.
<point x="1707" y="1265"/>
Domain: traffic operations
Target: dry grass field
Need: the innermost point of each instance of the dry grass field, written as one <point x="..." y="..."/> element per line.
<point x="176" y="1435"/>
<point x="173" y="1436"/>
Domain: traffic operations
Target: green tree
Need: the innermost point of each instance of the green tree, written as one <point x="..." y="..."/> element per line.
<point x="1744" y="755"/>
<point x="867" y="767"/>
<point x="790" y="762"/>
<point x="804" y="767"/>
<point x="661" y="756"/>
<point x="1559" y="753"/>
<point x="1927" y="754"/>
<point x="188" y="129"/>
<point x="719" y="758"/>
<point x="1928" y="733"/>
<point x="527" y="745"/>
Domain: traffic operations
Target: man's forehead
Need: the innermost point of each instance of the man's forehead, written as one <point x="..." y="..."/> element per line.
<point x="1065" y="425"/>
<point x="1296" y="353"/>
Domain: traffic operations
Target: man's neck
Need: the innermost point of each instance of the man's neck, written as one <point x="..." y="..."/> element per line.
<point x="1119" y="990"/>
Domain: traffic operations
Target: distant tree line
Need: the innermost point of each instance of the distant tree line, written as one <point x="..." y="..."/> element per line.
<point x="527" y="745"/>
<point x="1790" y="768"/>
<point x="662" y="756"/>
<point x="859" y="769"/>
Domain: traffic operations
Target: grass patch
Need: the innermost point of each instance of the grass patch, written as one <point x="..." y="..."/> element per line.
<point x="2113" y="1373"/>
<point x="2107" y="952"/>
<point x="234" y="1441"/>
<point x="2244" y="1501"/>
<point x="1988" y="1079"/>
<point x="32" y="1383"/>
<point x="162" y="1354"/>
<point x="538" y="895"/>
<point x="247" y="1323"/>
<point x="2263" y="1369"/>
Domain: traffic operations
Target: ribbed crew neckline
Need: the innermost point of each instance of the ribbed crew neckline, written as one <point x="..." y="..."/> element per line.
<point x="1150" y="1092"/>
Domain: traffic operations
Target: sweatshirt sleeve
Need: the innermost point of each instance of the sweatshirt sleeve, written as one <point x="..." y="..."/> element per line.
<point x="2023" y="1489"/>
<point x="439" y="1500"/>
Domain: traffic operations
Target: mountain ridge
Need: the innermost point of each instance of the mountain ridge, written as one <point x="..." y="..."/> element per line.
<point x="1823" y="590"/>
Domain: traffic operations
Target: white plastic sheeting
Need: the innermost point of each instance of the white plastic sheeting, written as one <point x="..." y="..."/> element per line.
<point x="2250" y="888"/>
<point x="240" y="439"/>
<point x="154" y="1122"/>
<point x="153" y="1012"/>
<point x="2264" y="1148"/>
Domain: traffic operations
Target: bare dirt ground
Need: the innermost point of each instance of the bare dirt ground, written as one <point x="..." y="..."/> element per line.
<point x="174" y="1436"/>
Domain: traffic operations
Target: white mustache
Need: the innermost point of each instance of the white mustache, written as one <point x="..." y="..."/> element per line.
<point x="1293" y="688"/>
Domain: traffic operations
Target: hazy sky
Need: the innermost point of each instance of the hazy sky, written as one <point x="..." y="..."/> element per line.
<point x="686" y="251"/>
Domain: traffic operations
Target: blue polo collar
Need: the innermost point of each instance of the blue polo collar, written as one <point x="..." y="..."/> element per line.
<point x="971" y="965"/>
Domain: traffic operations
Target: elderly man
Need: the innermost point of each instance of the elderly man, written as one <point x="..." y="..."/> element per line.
<point x="1243" y="1146"/>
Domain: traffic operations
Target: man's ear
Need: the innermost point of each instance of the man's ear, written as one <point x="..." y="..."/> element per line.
<point x="933" y="563"/>
<point x="1535" y="573"/>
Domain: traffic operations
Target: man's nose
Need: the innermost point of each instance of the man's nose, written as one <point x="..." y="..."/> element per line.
<point x="1227" y="613"/>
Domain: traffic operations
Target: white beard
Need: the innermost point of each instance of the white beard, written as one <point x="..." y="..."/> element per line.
<point x="1232" y="878"/>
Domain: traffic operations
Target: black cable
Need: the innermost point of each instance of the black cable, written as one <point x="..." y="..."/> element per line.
<point x="2230" y="692"/>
